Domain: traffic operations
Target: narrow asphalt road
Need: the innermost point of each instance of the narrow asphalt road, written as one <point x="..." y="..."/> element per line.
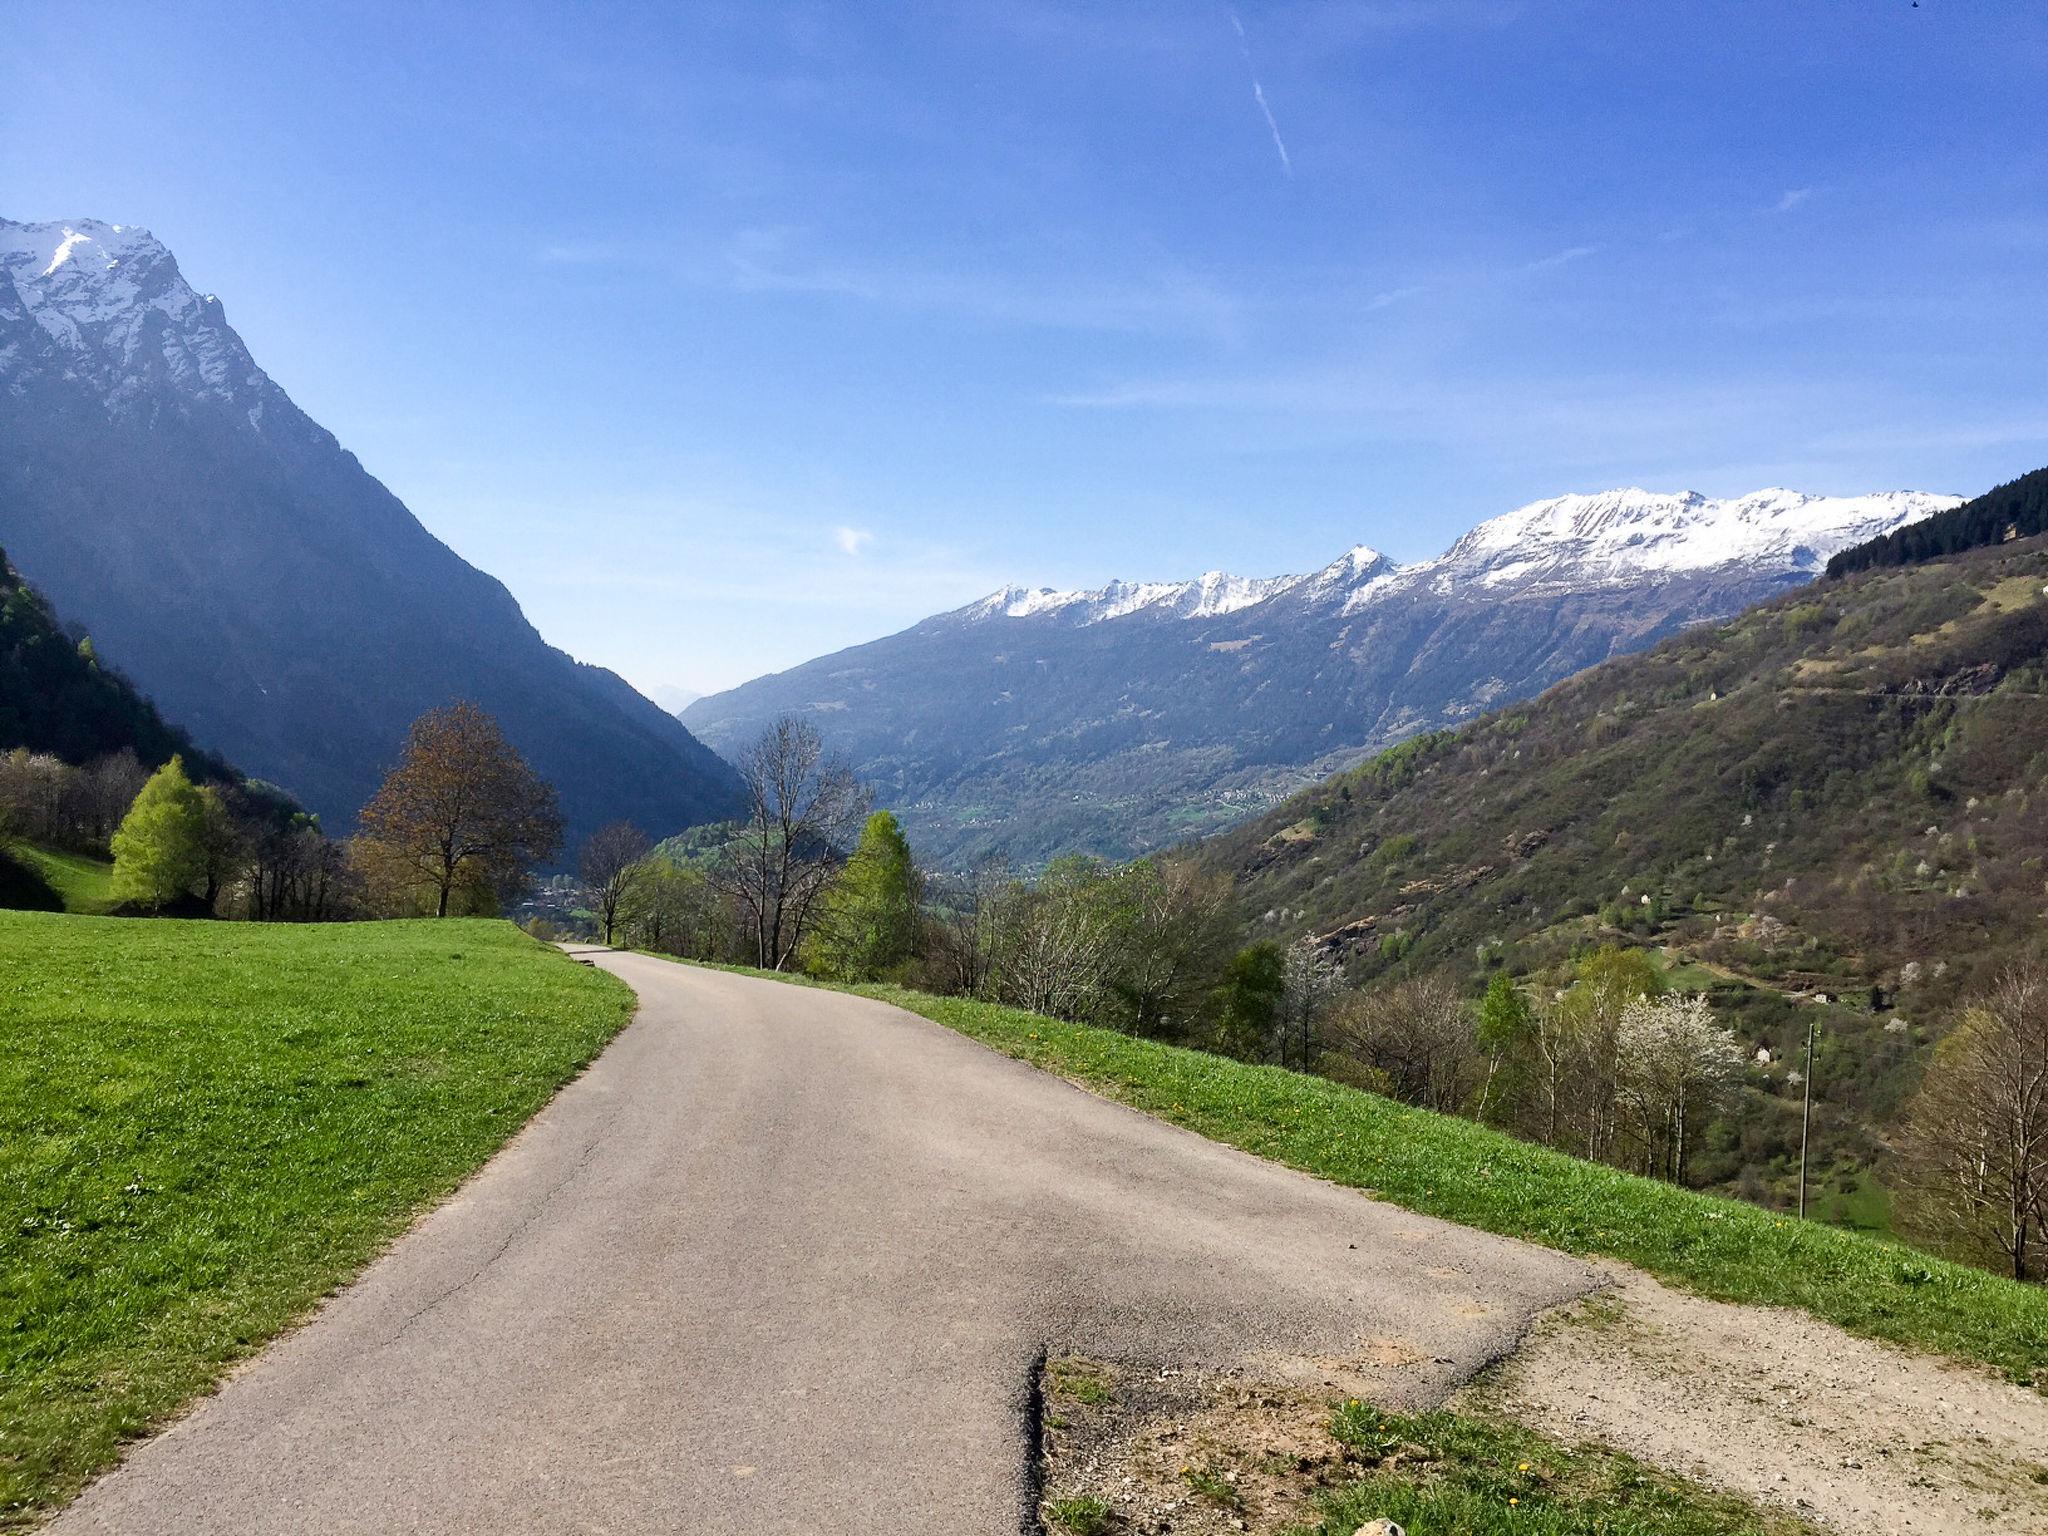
<point x="783" y="1260"/>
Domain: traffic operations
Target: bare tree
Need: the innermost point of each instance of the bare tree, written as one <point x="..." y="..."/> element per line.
<point x="1418" y="1035"/>
<point x="1056" y="951"/>
<point x="1975" y="1147"/>
<point x="964" y="932"/>
<point x="609" y="863"/>
<point x="803" y="808"/>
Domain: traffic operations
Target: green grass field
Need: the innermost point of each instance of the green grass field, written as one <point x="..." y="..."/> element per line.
<point x="1466" y="1173"/>
<point x="86" y="884"/>
<point x="206" y="1127"/>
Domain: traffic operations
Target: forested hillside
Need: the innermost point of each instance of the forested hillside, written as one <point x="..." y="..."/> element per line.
<point x="58" y="696"/>
<point x="2016" y="510"/>
<point x="1835" y="800"/>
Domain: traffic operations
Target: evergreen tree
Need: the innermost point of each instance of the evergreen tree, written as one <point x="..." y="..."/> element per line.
<point x="161" y="845"/>
<point x="868" y="923"/>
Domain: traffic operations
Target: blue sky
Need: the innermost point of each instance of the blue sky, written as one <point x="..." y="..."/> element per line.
<point x="730" y="334"/>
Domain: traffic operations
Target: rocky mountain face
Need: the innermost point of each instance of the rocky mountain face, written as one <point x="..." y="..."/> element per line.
<point x="1036" y="722"/>
<point x="252" y="577"/>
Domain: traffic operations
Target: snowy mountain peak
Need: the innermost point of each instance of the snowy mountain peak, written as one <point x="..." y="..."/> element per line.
<point x="106" y="305"/>
<point x="1586" y="541"/>
<point x="1212" y="593"/>
<point x="1578" y="543"/>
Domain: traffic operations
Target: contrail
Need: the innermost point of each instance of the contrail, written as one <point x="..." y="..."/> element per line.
<point x="1259" y="95"/>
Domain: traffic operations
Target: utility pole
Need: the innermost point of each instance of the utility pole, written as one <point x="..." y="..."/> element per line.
<point x="1806" y="1114"/>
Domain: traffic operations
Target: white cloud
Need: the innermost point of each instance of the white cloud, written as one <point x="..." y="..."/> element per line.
<point x="1562" y="258"/>
<point x="1394" y="296"/>
<point x="852" y="541"/>
<point x="1791" y="199"/>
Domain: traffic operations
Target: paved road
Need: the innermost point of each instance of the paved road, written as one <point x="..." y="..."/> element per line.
<point x="783" y="1260"/>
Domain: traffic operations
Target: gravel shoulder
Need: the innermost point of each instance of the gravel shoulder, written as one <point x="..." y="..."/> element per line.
<point x="1786" y="1409"/>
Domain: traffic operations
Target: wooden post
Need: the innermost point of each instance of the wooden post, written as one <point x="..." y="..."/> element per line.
<point x="1806" y="1114"/>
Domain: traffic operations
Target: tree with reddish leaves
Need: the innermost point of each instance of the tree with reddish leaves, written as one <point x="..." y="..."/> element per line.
<point x="462" y="811"/>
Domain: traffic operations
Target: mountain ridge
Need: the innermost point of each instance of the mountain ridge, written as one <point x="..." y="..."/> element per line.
<point x="1738" y="529"/>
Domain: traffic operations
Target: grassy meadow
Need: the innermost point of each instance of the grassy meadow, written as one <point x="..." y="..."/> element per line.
<point x="206" y="1127"/>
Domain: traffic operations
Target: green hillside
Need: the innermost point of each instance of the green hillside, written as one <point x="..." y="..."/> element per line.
<point x="57" y="696"/>
<point x="1838" y="794"/>
<point x="84" y="884"/>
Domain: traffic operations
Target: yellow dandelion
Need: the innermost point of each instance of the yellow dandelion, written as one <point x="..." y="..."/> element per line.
<point x="1522" y="1467"/>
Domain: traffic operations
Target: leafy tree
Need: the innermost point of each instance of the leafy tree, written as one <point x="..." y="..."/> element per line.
<point x="1249" y="999"/>
<point x="160" y="846"/>
<point x="1168" y="924"/>
<point x="1505" y="1030"/>
<point x="461" y="811"/>
<point x="868" y="922"/>
<point x="609" y="863"/>
<point x="1577" y="1043"/>
<point x="220" y="844"/>
<point x="673" y="909"/>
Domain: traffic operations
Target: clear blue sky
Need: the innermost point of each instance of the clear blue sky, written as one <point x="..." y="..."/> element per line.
<point x="730" y="334"/>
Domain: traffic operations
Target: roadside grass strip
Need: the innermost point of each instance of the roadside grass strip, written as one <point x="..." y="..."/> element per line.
<point x="207" y="1127"/>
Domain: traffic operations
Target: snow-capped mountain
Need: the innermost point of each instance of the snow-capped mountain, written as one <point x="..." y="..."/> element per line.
<point x="1620" y="538"/>
<point x="1039" y="721"/>
<point x="1565" y="543"/>
<point x="112" y="310"/>
<point x="274" y="599"/>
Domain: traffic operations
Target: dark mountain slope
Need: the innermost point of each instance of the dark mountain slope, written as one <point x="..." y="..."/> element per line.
<point x="269" y="593"/>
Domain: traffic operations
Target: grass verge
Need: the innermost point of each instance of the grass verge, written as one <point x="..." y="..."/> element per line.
<point x="206" y="1127"/>
<point x="1447" y="1471"/>
<point x="1463" y="1172"/>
